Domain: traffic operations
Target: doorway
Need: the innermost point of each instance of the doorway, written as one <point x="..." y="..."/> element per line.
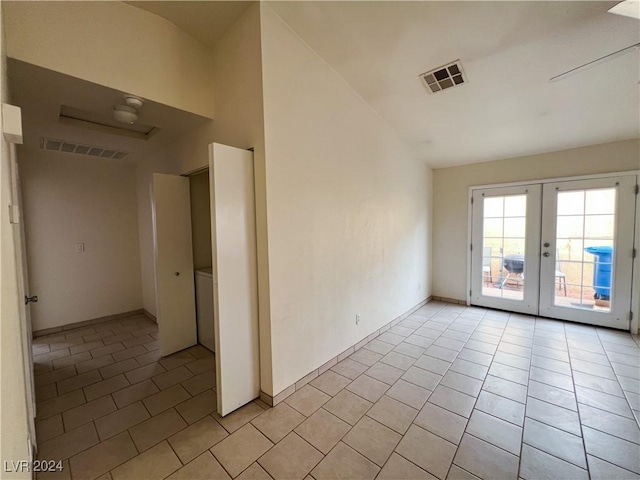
<point x="199" y="191"/>
<point x="561" y="249"/>
<point x="233" y="271"/>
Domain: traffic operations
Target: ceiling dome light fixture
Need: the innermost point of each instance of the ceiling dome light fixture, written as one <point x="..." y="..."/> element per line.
<point x="125" y="114"/>
<point x="128" y="113"/>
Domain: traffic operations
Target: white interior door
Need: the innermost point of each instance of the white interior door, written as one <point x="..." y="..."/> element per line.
<point x="175" y="296"/>
<point x="22" y="283"/>
<point x="587" y="250"/>
<point x="235" y="295"/>
<point x="505" y="248"/>
<point x="27" y="335"/>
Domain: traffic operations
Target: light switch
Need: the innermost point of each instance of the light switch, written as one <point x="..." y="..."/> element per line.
<point x="79" y="247"/>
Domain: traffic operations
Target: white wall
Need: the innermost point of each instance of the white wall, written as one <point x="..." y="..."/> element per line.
<point x="237" y="87"/>
<point x="451" y="191"/>
<point x="237" y="80"/>
<point x="113" y="44"/>
<point x="71" y="199"/>
<point x="239" y="122"/>
<point x="348" y="210"/>
<point x="14" y="423"/>
<point x="200" y="219"/>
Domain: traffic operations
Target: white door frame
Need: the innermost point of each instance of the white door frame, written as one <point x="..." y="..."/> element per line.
<point x="635" y="292"/>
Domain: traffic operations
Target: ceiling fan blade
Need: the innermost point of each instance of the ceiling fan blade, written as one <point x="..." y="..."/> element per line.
<point x="596" y="62"/>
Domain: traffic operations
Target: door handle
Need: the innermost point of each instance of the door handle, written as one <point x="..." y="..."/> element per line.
<point x="546" y="254"/>
<point x="28" y="300"/>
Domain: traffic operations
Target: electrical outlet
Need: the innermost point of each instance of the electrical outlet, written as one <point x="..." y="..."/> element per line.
<point x="357" y="318"/>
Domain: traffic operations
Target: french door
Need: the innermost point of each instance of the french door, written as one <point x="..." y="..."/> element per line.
<point x="505" y="258"/>
<point x="561" y="250"/>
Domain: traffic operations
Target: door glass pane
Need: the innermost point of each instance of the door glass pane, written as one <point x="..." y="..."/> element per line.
<point x="493" y="227"/>
<point x="516" y="206"/>
<point x="584" y="249"/>
<point x="600" y="201"/>
<point x="571" y="203"/>
<point x="504" y="229"/>
<point x="514" y="227"/>
<point x="598" y="227"/>
<point x="513" y="246"/>
<point x="493" y="207"/>
<point x="570" y="226"/>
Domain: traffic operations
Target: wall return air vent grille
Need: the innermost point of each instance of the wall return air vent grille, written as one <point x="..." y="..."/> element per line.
<point x="441" y="78"/>
<point x="90" y="150"/>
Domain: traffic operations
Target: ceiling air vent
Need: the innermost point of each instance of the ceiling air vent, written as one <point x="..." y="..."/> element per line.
<point x="441" y="78"/>
<point x="52" y="144"/>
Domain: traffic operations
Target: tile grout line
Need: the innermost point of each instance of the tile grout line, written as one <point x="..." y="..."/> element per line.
<point x="438" y="383"/>
<point x="624" y="392"/>
<point x="122" y="463"/>
<point x="584" y="450"/>
<point x="380" y="360"/>
<point x="584" y="445"/>
<point x="352" y="426"/>
<point x="464" y="431"/>
<point x="604" y="349"/>
<point x="527" y="392"/>
<point x="412" y="421"/>
<point x="93" y="420"/>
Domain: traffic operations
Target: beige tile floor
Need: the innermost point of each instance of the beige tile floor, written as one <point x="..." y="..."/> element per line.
<point x="449" y="393"/>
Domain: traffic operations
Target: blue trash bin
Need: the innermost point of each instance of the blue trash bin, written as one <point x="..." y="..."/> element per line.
<point x="601" y="271"/>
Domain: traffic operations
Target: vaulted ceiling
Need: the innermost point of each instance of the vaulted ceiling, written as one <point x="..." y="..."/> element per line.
<point x="508" y="50"/>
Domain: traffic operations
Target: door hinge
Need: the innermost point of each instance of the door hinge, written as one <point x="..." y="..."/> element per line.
<point x="637" y="189"/>
<point x="469" y="292"/>
<point x="471" y="247"/>
<point x="634" y="253"/>
<point x="630" y="316"/>
<point x="471" y="200"/>
<point x="28" y="300"/>
<point x="14" y="214"/>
